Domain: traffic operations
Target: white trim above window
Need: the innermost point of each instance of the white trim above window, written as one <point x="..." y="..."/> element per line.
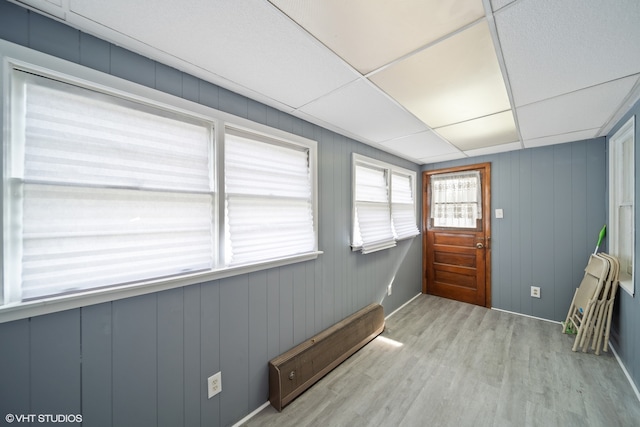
<point x="111" y="189"/>
<point x="383" y="205"/>
<point x="622" y="202"/>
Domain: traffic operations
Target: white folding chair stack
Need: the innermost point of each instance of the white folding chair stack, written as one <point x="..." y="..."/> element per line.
<point x="603" y="322"/>
<point x="585" y="300"/>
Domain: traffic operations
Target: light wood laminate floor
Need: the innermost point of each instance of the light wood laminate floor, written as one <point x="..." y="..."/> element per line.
<point x="464" y="365"/>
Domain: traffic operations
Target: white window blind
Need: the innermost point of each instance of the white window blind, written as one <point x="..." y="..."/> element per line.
<point x="373" y="228"/>
<point x="105" y="191"/>
<point x="456" y="199"/>
<point x="403" y="211"/>
<point x="269" y="206"/>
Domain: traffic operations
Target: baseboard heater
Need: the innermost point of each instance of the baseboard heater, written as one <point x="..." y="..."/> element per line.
<point x="293" y="372"/>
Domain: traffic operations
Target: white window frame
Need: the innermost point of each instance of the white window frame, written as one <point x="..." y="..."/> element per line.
<point x="389" y="170"/>
<point x="618" y="164"/>
<point x="15" y="57"/>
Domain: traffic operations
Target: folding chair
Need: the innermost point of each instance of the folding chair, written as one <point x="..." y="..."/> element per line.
<point x="604" y="326"/>
<point x="585" y="297"/>
<point x="595" y="328"/>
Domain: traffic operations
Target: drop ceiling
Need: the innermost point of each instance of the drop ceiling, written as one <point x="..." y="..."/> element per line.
<point x="428" y="80"/>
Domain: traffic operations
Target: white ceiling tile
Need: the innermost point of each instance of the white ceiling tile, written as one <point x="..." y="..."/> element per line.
<point x="423" y="144"/>
<point x="442" y="158"/>
<point x="553" y="47"/>
<point x="559" y="139"/>
<point x="494" y="149"/>
<point x="499" y="4"/>
<point x="456" y="80"/>
<point x="583" y="109"/>
<point x="361" y="109"/>
<point x="369" y="34"/>
<point x="249" y="43"/>
<point x="482" y="132"/>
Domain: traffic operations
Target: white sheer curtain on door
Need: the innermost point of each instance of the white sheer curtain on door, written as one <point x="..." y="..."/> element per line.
<point x="456" y="199"/>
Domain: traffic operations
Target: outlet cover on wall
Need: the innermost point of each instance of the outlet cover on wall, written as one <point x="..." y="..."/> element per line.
<point x="214" y="384"/>
<point x="535" y="291"/>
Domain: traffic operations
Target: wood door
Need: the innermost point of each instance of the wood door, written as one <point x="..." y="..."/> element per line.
<point x="457" y="261"/>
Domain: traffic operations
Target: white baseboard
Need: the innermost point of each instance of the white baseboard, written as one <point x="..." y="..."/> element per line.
<point x="526" y="315"/>
<point x="401" y="307"/>
<point x="626" y="373"/>
<point x="253" y="414"/>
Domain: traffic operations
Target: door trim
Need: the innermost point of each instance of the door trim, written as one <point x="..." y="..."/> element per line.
<point x="486" y="219"/>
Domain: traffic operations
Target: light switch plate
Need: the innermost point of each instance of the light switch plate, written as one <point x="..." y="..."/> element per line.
<point x="499" y="213"/>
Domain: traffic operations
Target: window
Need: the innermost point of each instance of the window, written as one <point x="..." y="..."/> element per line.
<point x="269" y="199"/>
<point x="103" y="191"/>
<point x="384" y="208"/>
<point x="111" y="186"/>
<point x="456" y="199"/>
<point x="622" y="201"/>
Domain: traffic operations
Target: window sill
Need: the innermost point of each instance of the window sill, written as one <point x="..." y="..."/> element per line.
<point x="628" y="288"/>
<point x="23" y="310"/>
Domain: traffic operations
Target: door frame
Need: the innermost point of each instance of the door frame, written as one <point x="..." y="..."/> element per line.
<point x="486" y="218"/>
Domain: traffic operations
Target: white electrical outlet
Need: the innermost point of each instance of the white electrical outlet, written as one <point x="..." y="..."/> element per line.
<point x="214" y="384"/>
<point x="535" y="291"/>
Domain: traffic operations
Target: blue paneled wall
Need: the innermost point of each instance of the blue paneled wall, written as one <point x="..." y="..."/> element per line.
<point x="554" y="206"/>
<point x="625" y="334"/>
<point x="144" y="361"/>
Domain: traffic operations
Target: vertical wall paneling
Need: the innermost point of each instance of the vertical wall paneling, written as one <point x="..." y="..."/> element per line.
<point x="145" y="360"/>
<point x="286" y="309"/>
<point x="14" y="23"/>
<point x="132" y="67"/>
<point x="15" y="367"/>
<point x="97" y="365"/>
<point x="209" y="94"/>
<point x="94" y="53"/>
<point x="596" y="190"/>
<point x="234" y="348"/>
<point x="580" y="238"/>
<point x="171" y="364"/>
<point x="524" y="224"/>
<point x="135" y="362"/>
<point x="562" y="231"/>
<point x="543" y="212"/>
<point x="327" y="223"/>
<point x="258" y="339"/>
<point x="194" y="378"/>
<point x="299" y="318"/>
<point x="209" y="346"/>
<point x="168" y="80"/>
<point x="273" y="313"/>
<point x="55" y="363"/>
<point x="53" y="37"/>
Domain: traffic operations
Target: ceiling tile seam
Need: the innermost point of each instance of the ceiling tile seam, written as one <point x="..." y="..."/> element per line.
<point x="310" y="36"/>
<point x="627" y="103"/>
<point x="397" y="138"/>
<point x="473" y="118"/>
<point x="506" y="6"/>
<point x="497" y="46"/>
<point x="561" y="134"/>
<point x="331" y="92"/>
<point x="578" y="90"/>
<point x="425" y="47"/>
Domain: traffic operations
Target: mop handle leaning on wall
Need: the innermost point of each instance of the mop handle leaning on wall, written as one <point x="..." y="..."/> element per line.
<point x="603" y="233"/>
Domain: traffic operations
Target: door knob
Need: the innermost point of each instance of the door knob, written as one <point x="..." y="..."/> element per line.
<point x="479" y="245"/>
